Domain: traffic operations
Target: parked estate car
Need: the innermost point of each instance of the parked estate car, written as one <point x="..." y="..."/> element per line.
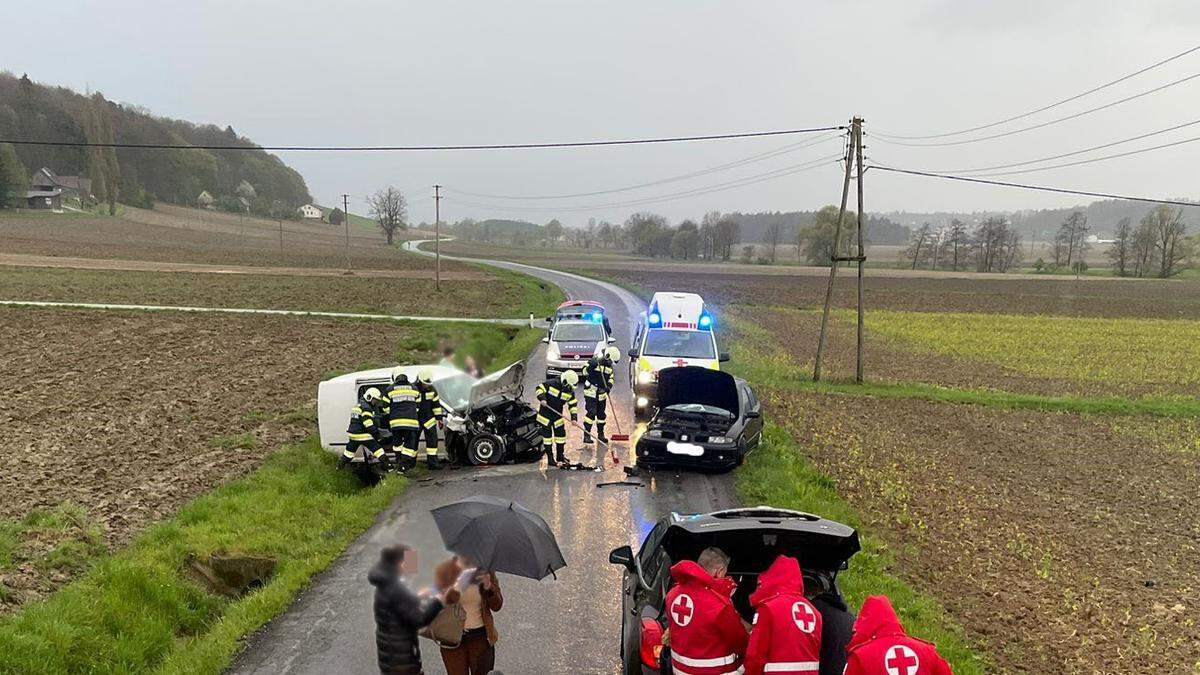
<point x="486" y="420"/>
<point x="706" y="419"/>
<point x="752" y="536"/>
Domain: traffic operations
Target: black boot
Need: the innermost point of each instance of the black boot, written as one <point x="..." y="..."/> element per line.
<point x="433" y="462"/>
<point x="560" y="455"/>
<point x="600" y="433"/>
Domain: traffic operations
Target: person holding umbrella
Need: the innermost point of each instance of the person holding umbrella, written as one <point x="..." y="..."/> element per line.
<point x="399" y="613"/>
<point x="480" y="597"/>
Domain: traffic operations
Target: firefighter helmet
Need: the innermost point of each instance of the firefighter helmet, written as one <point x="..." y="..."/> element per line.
<point x="398" y="374"/>
<point x="613" y="354"/>
<point x="425" y="377"/>
<point x="569" y="378"/>
<point x="372" y="395"/>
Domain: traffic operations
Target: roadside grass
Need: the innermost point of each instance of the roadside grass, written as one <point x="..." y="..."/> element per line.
<point x="136" y="611"/>
<point x="757" y="358"/>
<point x="779" y="474"/>
<point x="1089" y="349"/>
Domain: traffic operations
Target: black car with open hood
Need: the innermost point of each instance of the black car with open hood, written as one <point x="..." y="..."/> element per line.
<point x="706" y="419"/>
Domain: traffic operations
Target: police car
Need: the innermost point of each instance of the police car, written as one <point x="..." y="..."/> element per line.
<point x="575" y="336"/>
<point x="676" y="330"/>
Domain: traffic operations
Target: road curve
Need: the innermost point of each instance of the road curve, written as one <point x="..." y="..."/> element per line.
<point x="566" y="625"/>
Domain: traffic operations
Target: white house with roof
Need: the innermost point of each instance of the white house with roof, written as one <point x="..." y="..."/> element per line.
<point x="309" y="211"/>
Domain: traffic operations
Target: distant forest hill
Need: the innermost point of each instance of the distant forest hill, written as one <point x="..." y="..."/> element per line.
<point x="755" y="226"/>
<point x="31" y="111"/>
<point x="1102" y="217"/>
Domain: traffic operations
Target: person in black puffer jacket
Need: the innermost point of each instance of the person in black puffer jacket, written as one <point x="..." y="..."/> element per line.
<point x="399" y="613"/>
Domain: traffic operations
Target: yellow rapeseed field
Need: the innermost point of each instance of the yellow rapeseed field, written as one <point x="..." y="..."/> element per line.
<point x="1155" y="351"/>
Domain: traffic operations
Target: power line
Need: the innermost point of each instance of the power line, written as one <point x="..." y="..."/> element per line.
<point x="1043" y="124"/>
<point x="419" y="148"/>
<point x="718" y="187"/>
<point x="1049" y="106"/>
<point x="1093" y="159"/>
<point x="672" y="179"/>
<point x="1043" y="188"/>
<point x="1073" y="153"/>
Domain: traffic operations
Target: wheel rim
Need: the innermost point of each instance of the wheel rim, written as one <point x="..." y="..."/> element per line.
<point x="485" y="450"/>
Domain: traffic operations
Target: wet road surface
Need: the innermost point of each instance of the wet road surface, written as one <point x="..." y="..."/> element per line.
<point x="566" y="625"/>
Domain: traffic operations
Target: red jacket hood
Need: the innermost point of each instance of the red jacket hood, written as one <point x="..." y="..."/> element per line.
<point x="689" y="572"/>
<point x="876" y="618"/>
<point x="783" y="576"/>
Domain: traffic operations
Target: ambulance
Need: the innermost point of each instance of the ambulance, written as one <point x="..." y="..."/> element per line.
<point x="676" y="330"/>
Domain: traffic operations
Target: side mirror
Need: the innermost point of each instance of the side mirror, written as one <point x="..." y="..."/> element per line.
<point x="753" y="414"/>
<point x="611" y="339"/>
<point x="622" y="555"/>
<point x="546" y="340"/>
<point x="549" y="319"/>
<point x="633" y="353"/>
<point x="723" y="357"/>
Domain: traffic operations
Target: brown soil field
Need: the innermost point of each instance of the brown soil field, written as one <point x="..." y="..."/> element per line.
<point x="1098" y="297"/>
<point x="175" y="234"/>
<point x="493" y="297"/>
<point x="888" y="360"/>
<point x="128" y="415"/>
<point x="1063" y="543"/>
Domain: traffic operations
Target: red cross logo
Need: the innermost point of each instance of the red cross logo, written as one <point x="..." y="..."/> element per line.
<point x="682" y="609"/>
<point x="805" y="618"/>
<point x="900" y="660"/>
<point x="679" y="363"/>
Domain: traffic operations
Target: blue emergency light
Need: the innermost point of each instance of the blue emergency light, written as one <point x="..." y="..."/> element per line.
<point x="596" y="317"/>
<point x="705" y="321"/>
<point x="655" y="319"/>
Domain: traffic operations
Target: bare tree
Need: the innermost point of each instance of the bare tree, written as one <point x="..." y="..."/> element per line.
<point x="996" y="246"/>
<point x="390" y="209"/>
<point x="917" y="244"/>
<point x="773" y="234"/>
<point x="958" y="240"/>
<point x="1071" y="238"/>
<point x="1121" y="251"/>
<point x="1168" y="229"/>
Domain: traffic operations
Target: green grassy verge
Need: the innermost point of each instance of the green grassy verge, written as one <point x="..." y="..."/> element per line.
<point x="760" y="361"/>
<point x="779" y="474"/>
<point x="135" y="610"/>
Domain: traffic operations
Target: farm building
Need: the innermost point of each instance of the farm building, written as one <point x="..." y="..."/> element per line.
<point x="205" y="200"/>
<point x="45" y="180"/>
<point x="310" y="211"/>
<point x="44" y="199"/>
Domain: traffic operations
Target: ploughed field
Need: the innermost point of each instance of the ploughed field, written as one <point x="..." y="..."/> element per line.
<point x="177" y="234"/>
<point x="113" y="419"/>
<point x="1062" y="540"/>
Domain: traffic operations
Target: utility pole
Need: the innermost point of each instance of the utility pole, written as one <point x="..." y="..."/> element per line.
<point x="853" y="155"/>
<point x="437" y="237"/>
<point x="346" y="222"/>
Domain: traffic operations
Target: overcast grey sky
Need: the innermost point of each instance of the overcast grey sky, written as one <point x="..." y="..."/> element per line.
<point x="385" y="72"/>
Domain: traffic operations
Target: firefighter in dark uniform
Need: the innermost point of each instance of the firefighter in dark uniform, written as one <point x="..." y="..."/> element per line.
<point x="553" y="395"/>
<point x="363" y="435"/>
<point x="429" y="416"/>
<point x="402" y="419"/>
<point x="598" y="379"/>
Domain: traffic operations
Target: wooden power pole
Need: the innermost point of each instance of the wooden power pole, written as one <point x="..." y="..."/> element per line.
<point x="346" y="223"/>
<point x="437" y="237"/>
<point x="853" y="157"/>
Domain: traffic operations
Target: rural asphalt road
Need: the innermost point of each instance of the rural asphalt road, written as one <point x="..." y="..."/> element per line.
<point x="566" y="625"/>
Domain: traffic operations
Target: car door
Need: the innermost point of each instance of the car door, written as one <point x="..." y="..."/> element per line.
<point x="754" y="422"/>
<point x="635" y="597"/>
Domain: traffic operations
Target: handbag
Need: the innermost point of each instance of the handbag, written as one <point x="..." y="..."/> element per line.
<point x="448" y="626"/>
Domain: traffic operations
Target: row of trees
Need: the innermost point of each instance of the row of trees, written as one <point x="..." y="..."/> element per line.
<point x="992" y="246"/>
<point x="1156" y="246"/>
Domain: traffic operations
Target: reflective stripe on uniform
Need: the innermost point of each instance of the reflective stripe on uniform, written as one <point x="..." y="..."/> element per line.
<point x="704" y="663"/>
<point x="361" y="437"/>
<point x="792" y="667"/>
<point x="378" y="453"/>
<point x="408" y="452"/>
<point x="406" y="422"/>
<point x="429" y="423"/>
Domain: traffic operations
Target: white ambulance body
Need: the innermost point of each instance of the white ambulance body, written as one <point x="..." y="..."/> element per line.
<point x="676" y="330"/>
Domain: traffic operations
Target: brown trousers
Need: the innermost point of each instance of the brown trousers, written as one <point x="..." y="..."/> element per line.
<point x="474" y="656"/>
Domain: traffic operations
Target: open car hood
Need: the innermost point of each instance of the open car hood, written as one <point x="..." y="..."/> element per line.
<point x="693" y="384"/>
<point x="754" y="536"/>
<point x="507" y="382"/>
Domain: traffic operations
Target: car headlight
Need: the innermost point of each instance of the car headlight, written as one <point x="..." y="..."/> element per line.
<point x="645" y="377"/>
<point x="552" y="353"/>
<point x="654" y="433"/>
<point x="719" y="439"/>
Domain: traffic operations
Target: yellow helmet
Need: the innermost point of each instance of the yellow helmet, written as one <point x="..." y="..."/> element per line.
<point x="613" y="353"/>
<point x="398" y="373"/>
<point x="569" y="378"/>
<point x="371" y="395"/>
<point x="425" y="376"/>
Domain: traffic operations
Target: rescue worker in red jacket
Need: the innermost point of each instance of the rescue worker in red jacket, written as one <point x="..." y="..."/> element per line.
<point x="706" y="634"/>
<point x="881" y="647"/>
<point x="786" y="637"/>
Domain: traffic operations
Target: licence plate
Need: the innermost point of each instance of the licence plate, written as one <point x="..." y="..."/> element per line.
<point x="689" y="449"/>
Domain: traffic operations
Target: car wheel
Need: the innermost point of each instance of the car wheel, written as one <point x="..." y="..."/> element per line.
<point x="485" y="449"/>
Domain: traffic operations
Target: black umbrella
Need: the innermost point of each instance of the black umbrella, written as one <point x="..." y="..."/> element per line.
<point x="500" y="535"/>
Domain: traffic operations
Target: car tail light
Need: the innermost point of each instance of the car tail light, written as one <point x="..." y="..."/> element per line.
<point x="652" y="634"/>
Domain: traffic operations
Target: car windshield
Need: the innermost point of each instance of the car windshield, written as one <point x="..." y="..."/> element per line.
<point x="686" y="344"/>
<point x="578" y="332"/>
<point x="700" y="408"/>
<point x="455" y="390"/>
